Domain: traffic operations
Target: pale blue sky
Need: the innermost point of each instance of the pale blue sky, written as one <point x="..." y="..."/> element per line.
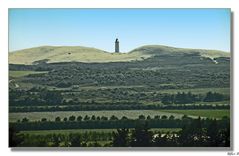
<point x="185" y="28"/>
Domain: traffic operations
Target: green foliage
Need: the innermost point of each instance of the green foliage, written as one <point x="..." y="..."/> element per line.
<point x="212" y="97"/>
<point x="79" y="118"/>
<point x="58" y="119"/>
<point x="104" y="122"/>
<point x="72" y="118"/>
<point x="43" y="119"/>
<point x="194" y="133"/>
<point x="121" y="138"/>
<point x="75" y="140"/>
<point x="141" y="136"/>
<point x="25" y="119"/>
<point x="14" y="138"/>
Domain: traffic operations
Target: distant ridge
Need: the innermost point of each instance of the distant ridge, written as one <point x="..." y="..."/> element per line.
<point x="52" y="54"/>
<point x="165" y="50"/>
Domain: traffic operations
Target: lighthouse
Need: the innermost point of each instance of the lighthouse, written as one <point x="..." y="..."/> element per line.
<point x="117" y="45"/>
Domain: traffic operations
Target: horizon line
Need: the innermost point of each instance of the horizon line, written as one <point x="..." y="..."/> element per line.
<point x="187" y="48"/>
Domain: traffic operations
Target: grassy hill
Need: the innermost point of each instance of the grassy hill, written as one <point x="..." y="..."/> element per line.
<point x="166" y="50"/>
<point x="52" y="54"/>
<point x="68" y="54"/>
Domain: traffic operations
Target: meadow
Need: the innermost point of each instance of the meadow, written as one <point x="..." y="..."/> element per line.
<point x="130" y="114"/>
<point x="18" y="74"/>
<point x="202" y="113"/>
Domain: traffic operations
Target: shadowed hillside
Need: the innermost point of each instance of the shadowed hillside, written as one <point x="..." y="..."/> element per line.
<point x="165" y="50"/>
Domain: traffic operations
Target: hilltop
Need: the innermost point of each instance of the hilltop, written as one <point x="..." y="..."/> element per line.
<point x="52" y="54"/>
<point x="166" y="50"/>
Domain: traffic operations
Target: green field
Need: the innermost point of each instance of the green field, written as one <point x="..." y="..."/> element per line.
<point x="132" y="114"/>
<point x="202" y="113"/>
<point x="17" y="74"/>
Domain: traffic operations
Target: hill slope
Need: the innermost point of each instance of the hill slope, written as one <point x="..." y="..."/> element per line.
<point x="165" y="50"/>
<point x="52" y="54"/>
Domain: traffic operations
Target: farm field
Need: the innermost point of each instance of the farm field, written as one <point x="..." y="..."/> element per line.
<point x="131" y="114"/>
<point x="202" y="113"/>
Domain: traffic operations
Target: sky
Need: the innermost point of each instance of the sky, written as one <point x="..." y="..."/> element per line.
<point x="98" y="28"/>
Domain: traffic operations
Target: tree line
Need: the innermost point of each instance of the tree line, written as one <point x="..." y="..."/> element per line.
<point x="184" y="98"/>
<point x="104" y="123"/>
<point x="116" y="107"/>
<point x="192" y="134"/>
<point x="44" y="97"/>
<point x="44" y="100"/>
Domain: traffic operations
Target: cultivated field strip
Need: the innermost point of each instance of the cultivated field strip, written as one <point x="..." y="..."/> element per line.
<point x="131" y="114"/>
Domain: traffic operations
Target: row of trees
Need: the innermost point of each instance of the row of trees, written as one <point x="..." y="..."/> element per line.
<point x="105" y="123"/>
<point x="102" y="118"/>
<point x="42" y="96"/>
<point x="71" y="139"/>
<point x="192" y="134"/>
<point x="31" y="98"/>
<point x="116" y="107"/>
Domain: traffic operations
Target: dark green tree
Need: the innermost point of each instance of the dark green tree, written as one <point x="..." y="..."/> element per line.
<point x="121" y="138"/>
<point x="58" y="119"/>
<point x="141" y="136"/>
<point x="72" y="118"/>
<point x="75" y="140"/>
<point x="14" y="138"/>
<point x="79" y="118"/>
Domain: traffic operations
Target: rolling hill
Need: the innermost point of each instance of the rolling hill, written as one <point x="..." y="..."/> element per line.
<point x="52" y="54"/>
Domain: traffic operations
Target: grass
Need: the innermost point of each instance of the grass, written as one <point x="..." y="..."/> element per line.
<point x="202" y="113"/>
<point x="17" y="74"/>
<point x="161" y="49"/>
<point x="69" y="54"/>
<point x="87" y="54"/>
<point x="132" y="114"/>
